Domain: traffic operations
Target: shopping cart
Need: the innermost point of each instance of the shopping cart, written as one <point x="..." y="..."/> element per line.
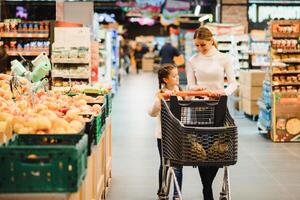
<point x="198" y="132"/>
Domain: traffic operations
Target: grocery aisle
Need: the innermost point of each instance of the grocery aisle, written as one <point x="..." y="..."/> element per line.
<point x="265" y="170"/>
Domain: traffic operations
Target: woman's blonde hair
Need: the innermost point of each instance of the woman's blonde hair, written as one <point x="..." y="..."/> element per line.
<point x="203" y="33"/>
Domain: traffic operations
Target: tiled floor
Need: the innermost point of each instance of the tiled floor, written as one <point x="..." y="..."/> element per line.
<point x="265" y="170"/>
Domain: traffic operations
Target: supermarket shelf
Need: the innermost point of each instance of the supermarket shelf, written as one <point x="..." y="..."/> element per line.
<point x="72" y="76"/>
<point x="24" y="35"/>
<point x="71" y="61"/>
<point x="268" y="64"/>
<point x="25" y="53"/>
<point x="287" y="50"/>
<point x="263" y="53"/>
<point x="295" y="60"/>
<point x="285" y="84"/>
<point x="260" y="40"/>
<point x="286" y="72"/>
<point x="226" y="38"/>
<point x="243" y="49"/>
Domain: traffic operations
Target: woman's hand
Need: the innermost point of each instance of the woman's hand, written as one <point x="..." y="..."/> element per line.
<point x="197" y="88"/>
<point x="219" y="93"/>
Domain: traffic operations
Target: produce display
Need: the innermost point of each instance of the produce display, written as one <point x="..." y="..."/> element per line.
<point x="51" y="112"/>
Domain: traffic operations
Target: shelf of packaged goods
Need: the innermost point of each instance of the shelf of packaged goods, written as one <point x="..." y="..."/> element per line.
<point x="258" y="53"/>
<point x="25" y="53"/>
<point x="290" y="60"/>
<point x="226" y="38"/>
<point x="260" y="40"/>
<point x="286" y="72"/>
<point x="70" y="61"/>
<point x="287" y="50"/>
<point x="24" y="35"/>
<point x="267" y="64"/>
<point x="285" y="84"/>
<point x="72" y="76"/>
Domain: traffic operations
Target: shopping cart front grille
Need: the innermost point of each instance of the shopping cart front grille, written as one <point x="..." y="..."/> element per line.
<point x="197" y="116"/>
<point x="195" y="140"/>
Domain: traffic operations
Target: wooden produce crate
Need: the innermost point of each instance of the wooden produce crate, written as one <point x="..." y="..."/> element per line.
<point x="99" y="183"/>
<point x="89" y="193"/>
<point x="108" y="153"/>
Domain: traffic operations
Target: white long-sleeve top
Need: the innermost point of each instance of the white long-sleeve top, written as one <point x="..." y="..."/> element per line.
<point x="154" y="111"/>
<point x="208" y="71"/>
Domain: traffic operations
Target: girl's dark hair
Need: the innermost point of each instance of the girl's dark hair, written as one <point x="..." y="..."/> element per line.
<point x="163" y="72"/>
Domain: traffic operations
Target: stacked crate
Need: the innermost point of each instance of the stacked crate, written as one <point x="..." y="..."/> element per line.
<point x="251" y="82"/>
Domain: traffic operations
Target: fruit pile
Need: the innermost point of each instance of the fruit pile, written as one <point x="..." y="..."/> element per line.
<point x="51" y="112"/>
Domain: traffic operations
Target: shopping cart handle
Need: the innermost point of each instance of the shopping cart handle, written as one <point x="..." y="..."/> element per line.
<point x="192" y="94"/>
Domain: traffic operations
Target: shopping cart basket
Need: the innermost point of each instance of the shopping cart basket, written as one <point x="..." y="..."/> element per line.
<point x="197" y="132"/>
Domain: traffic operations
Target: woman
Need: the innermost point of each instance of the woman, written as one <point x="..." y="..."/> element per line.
<point x="205" y="70"/>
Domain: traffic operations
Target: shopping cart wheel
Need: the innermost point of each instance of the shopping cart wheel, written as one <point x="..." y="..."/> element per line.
<point x="223" y="196"/>
<point x="162" y="198"/>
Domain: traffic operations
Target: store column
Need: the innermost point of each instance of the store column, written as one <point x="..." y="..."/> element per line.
<point x="59" y="10"/>
<point x="235" y="11"/>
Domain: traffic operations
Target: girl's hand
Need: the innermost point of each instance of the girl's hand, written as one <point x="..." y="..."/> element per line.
<point x="165" y="95"/>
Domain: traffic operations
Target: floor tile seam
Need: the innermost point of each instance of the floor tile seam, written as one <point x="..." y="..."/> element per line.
<point x="291" y="152"/>
<point x="278" y="182"/>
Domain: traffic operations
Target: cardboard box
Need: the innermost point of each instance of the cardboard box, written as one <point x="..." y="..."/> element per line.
<point x="251" y="93"/>
<point x="252" y="77"/>
<point x="250" y="107"/>
<point x="147" y="64"/>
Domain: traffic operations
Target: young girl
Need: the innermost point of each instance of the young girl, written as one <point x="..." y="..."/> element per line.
<point x="168" y="83"/>
<point x="206" y="70"/>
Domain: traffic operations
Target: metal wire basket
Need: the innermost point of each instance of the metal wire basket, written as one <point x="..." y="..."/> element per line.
<point x="198" y="132"/>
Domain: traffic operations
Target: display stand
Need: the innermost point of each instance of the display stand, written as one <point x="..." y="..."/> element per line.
<point x="71" y="58"/>
<point x="285" y="81"/>
<point x="28" y="39"/>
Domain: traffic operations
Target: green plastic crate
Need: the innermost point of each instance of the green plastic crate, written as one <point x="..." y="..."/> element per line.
<point x="100" y="124"/>
<point x="100" y="121"/>
<point x="109" y="97"/>
<point x="43" y="163"/>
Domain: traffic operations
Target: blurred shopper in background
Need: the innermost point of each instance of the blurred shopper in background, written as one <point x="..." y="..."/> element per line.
<point x="125" y="55"/>
<point x="140" y="50"/>
<point x="168" y="53"/>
